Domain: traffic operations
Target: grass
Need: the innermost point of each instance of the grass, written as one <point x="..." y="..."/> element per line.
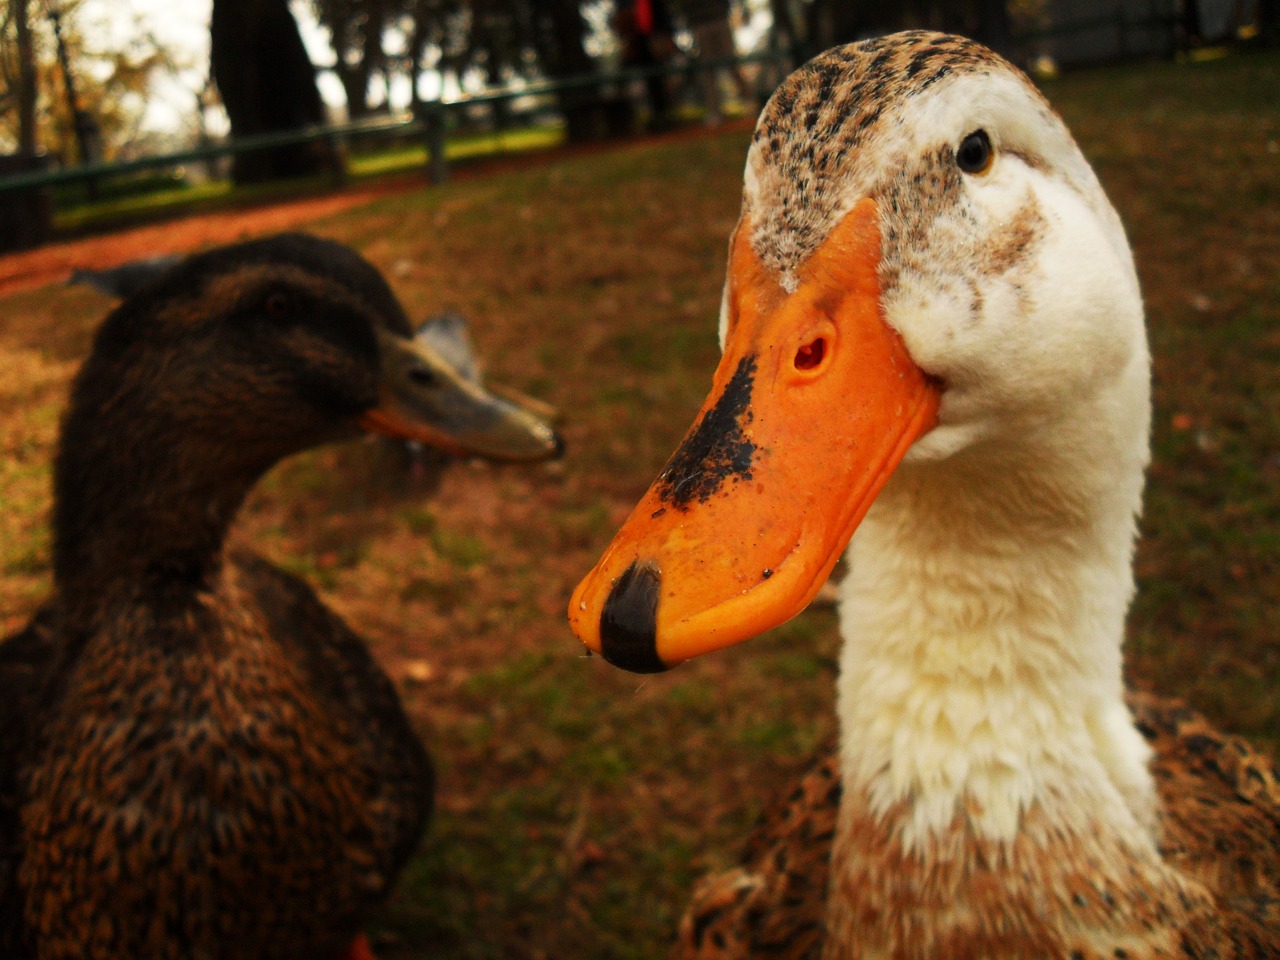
<point x="140" y="206"/>
<point x="1192" y="161"/>
<point x="578" y="804"/>
<point x="459" y="147"/>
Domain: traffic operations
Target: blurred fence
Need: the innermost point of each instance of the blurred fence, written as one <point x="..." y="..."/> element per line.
<point x="591" y="106"/>
<point x="1118" y="34"/>
<point x="603" y="103"/>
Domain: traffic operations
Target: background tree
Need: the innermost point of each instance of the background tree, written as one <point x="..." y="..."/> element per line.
<point x="267" y="85"/>
<point x="112" y="83"/>
<point x="838" y="21"/>
<point x="1269" y="21"/>
<point x="788" y="33"/>
<point x="559" y="32"/>
<point x="496" y="40"/>
<point x="442" y="27"/>
<point x="18" y="73"/>
<point x="27" y="217"/>
<point x="500" y="40"/>
<point x="356" y="31"/>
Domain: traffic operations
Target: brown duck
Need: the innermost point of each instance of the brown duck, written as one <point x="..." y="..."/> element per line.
<point x="935" y="362"/>
<point x="199" y="759"/>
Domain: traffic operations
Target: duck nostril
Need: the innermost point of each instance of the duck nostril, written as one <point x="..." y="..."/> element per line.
<point x="423" y="377"/>
<point x="810" y="356"/>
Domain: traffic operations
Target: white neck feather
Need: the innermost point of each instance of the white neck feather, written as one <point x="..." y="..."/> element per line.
<point x="983" y="616"/>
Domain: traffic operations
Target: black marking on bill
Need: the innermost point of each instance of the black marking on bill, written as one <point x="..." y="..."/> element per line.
<point x="716" y="450"/>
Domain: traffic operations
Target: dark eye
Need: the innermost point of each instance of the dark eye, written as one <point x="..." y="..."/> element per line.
<point x="423" y="377"/>
<point x="974" y="153"/>
<point x="279" y="306"/>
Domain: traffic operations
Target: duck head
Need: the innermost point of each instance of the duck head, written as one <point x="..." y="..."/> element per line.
<point x="925" y="267"/>
<point x="231" y="361"/>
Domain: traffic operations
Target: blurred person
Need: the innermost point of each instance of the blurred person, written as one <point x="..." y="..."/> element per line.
<point x="646" y="32"/>
<point x="709" y="22"/>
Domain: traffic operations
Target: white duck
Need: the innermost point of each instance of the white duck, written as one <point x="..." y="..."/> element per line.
<point x="932" y="305"/>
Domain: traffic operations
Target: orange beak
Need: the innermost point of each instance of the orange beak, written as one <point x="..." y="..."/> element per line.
<point x="813" y="406"/>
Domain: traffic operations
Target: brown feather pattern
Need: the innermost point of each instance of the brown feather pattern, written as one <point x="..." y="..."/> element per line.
<point x="1216" y="894"/>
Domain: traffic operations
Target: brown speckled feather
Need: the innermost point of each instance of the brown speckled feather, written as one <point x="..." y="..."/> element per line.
<point x="1220" y="807"/>
<point x="776" y="903"/>
<point x="26" y="665"/>
<point x="252" y="783"/>
<point x="1220" y="800"/>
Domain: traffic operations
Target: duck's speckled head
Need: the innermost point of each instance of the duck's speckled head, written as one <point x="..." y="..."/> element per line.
<point x="834" y="132"/>
<point x="924" y="261"/>
<point x="1001" y="261"/>
<point x="292" y="340"/>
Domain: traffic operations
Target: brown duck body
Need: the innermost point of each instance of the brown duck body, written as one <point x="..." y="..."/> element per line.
<point x="223" y="767"/>
<point x="199" y="759"/>
<point x="1216" y="894"/>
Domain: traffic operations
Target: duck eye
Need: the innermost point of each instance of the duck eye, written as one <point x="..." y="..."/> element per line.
<point x="279" y="306"/>
<point x="423" y="377"/>
<point x="974" y="153"/>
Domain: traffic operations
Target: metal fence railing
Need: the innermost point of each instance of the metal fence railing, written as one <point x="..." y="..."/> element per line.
<point x="429" y="126"/>
<point x="1119" y="35"/>
<point x="1130" y="33"/>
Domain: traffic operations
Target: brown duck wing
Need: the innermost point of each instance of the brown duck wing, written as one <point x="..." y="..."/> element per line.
<point x="26" y="665"/>
<point x="344" y="676"/>
<point x="774" y="905"/>
<point x="1220" y="804"/>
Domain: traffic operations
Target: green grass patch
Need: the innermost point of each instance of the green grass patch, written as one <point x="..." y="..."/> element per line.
<point x="140" y="206"/>
<point x="458" y="548"/>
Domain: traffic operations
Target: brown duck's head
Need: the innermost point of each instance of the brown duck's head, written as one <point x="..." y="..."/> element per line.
<point x="243" y="355"/>
<point x="281" y="343"/>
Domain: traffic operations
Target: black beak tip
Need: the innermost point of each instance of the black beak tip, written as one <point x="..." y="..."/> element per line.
<point x="628" y="622"/>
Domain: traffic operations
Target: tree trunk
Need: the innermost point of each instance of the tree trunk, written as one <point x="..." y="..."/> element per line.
<point x="993" y="26"/>
<point x="786" y="25"/>
<point x="356" y="76"/>
<point x="830" y="22"/>
<point x="372" y="58"/>
<point x="26" y="215"/>
<point x="26" y="79"/>
<point x="417" y="43"/>
<point x="268" y="85"/>
<point x="558" y="39"/>
<point x="355" y="87"/>
<point x="1269" y="21"/>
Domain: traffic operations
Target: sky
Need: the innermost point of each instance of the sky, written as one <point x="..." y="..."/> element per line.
<point x="182" y="26"/>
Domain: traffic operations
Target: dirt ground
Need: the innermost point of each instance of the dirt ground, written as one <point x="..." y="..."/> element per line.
<point x="54" y="262"/>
